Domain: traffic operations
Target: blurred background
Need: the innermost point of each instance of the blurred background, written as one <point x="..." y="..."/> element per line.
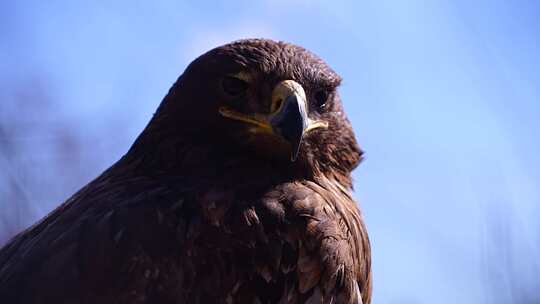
<point x="443" y="95"/>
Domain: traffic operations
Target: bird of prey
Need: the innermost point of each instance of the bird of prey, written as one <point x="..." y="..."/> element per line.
<point x="237" y="191"/>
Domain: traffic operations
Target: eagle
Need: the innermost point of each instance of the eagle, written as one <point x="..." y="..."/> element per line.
<point x="238" y="190"/>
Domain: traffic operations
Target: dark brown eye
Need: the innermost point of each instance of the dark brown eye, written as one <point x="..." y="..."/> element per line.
<point x="234" y="86"/>
<point x="321" y="97"/>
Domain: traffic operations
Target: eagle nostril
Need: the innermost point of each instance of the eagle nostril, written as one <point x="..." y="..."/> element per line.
<point x="277" y="105"/>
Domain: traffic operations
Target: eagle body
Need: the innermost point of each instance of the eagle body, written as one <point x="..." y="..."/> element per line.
<point x="213" y="203"/>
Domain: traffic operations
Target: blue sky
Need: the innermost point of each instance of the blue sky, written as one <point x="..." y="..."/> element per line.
<point x="443" y="96"/>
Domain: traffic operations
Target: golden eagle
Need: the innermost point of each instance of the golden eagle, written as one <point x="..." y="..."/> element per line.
<point x="237" y="191"/>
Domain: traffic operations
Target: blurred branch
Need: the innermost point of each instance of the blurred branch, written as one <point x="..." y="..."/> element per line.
<point x="16" y="200"/>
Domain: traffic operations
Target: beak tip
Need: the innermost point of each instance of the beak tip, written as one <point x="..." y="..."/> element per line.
<point x="294" y="156"/>
<point x="295" y="149"/>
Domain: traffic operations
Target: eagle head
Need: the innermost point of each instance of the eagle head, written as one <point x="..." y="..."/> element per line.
<point x="262" y="99"/>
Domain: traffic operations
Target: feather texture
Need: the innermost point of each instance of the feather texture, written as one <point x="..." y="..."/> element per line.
<point x="188" y="216"/>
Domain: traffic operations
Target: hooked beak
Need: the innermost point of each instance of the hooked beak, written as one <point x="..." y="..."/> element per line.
<point x="288" y="118"/>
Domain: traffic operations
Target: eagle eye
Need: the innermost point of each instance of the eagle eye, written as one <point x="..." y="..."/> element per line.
<point x="321" y="98"/>
<point x="234" y="86"/>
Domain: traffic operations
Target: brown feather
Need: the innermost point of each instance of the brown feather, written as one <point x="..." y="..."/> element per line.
<point x="198" y="211"/>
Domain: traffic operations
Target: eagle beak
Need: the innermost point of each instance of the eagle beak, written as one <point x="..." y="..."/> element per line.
<point x="288" y="118"/>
